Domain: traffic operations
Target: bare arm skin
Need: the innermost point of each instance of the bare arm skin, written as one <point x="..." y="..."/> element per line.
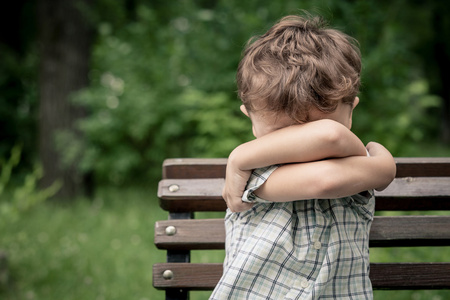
<point x="298" y="143"/>
<point x="333" y="178"/>
<point x="311" y="142"/>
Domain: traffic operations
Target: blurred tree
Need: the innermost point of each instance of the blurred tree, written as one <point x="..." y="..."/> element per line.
<point x="439" y="58"/>
<point x="65" y="41"/>
<point x="161" y="82"/>
<point x="18" y="85"/>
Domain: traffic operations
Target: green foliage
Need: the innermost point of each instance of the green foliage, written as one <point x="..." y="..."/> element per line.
<point x="99" y="249"/>
<point x="152" y="57"/>
<point x="397" y="106"/>
<point x="162" y="84"/>
<point x="18" y="199"/>
<point x="144" y="104"/>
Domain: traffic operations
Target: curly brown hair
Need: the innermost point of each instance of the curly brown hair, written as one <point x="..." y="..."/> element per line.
<point x="299" y="64"/>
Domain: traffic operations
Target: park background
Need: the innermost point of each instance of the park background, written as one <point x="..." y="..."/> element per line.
<point x="95" y="94"/>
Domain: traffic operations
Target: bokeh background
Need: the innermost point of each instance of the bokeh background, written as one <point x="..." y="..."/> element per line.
<point x="95" y="94"/>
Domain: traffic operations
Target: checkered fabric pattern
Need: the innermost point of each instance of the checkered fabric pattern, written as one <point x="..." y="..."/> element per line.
<point x="310" y="249"/>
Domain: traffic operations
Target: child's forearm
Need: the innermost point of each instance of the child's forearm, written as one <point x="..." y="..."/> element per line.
<point x="332" y="178"/>
<point x="298" y="143"/>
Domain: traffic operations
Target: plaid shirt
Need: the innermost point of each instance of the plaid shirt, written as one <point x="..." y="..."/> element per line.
<point x="309" y="249"/>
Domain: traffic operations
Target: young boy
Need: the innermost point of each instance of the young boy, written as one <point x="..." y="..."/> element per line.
<point x="307" y="235"/>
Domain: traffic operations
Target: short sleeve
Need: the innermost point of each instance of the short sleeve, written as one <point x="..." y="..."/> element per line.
<point x="364" y="204"/>
<point x="257" y="178"/>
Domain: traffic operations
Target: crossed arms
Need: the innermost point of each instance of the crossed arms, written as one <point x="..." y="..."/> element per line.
<point x="320" y="159"/>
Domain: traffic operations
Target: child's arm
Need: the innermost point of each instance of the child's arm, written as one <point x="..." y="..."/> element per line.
<point x="330" y="178"/>
<point x="333" y="178"/>
<point x="300" y="143"/>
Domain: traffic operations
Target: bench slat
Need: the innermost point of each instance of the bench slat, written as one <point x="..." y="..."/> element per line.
<point x="187" y="275"/>
<point x="215" y="167"/>
<point x="415" y="193"/>
<point x="191" y="234"/>
<point x="408" y="231"/>
<point x="385" y="232"/>
<point x="423" y="166"/>
<point x="179" y="195"/>
<point x="383" y="275"/>
<point x="179" y="168"/>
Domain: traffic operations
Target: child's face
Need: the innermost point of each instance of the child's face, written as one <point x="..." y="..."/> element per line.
<point x="264" y="123"/>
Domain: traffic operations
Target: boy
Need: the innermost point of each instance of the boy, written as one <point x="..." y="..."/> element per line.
<point x="307" y="235"/>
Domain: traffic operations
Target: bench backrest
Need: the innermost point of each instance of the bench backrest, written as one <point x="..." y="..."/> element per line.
<point x="193" y="185"/>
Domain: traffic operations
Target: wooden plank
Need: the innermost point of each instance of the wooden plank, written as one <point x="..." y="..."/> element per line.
<point x="410" y="276"/>
<point x="423" y="166"/>
<point x="409" y="231"/>
<point x="173" y="189"/>
<point x="395" y="276"/>
<point x="190" y="234"/>
<point x="419" y="193"/>
<point x="187" y="275"/>
<point x="385" y="232"/>
<point x="411" y="204"/>
<point x="415" y="193"/>
<point x="178" y="195"/>
<point x="179" y="168"/>
<point x="416" y="187"/>
<point x="382" y="204"/>
<point x="211" y="188"/>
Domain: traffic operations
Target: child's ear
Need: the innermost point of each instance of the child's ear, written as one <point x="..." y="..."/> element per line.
<point x="244" y="110"/>
<point x="355" y="103"/>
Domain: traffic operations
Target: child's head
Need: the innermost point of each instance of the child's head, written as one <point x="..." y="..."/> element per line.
<point x="299" y="68"/>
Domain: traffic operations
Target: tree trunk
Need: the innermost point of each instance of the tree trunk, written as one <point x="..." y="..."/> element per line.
<point x="65" y="40"/>
<point x="440" y="55"/>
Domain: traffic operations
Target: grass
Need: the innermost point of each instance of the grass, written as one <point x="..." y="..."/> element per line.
<point x="102" y="249"/>
<point x="99" y="249"/>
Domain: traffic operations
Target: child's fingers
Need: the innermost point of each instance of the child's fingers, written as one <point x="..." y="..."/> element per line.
<point x="237" y="205"/>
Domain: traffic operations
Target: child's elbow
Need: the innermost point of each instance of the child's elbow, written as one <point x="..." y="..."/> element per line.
<point x="393" y="171"/>
<point x="389" y="175"/>
<point x="340" y="139"/>
<point x="332" y="133"/>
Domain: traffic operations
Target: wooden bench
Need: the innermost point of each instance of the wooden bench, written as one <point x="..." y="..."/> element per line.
<point x="195" y="185"/>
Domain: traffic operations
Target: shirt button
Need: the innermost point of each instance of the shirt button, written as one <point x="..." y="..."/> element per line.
<point x="317" y="245"/>
<point x="304" y="283"/>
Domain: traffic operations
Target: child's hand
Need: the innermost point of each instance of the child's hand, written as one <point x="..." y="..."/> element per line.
<point x="234" y="188"/>
<point x="235" y="182"/>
